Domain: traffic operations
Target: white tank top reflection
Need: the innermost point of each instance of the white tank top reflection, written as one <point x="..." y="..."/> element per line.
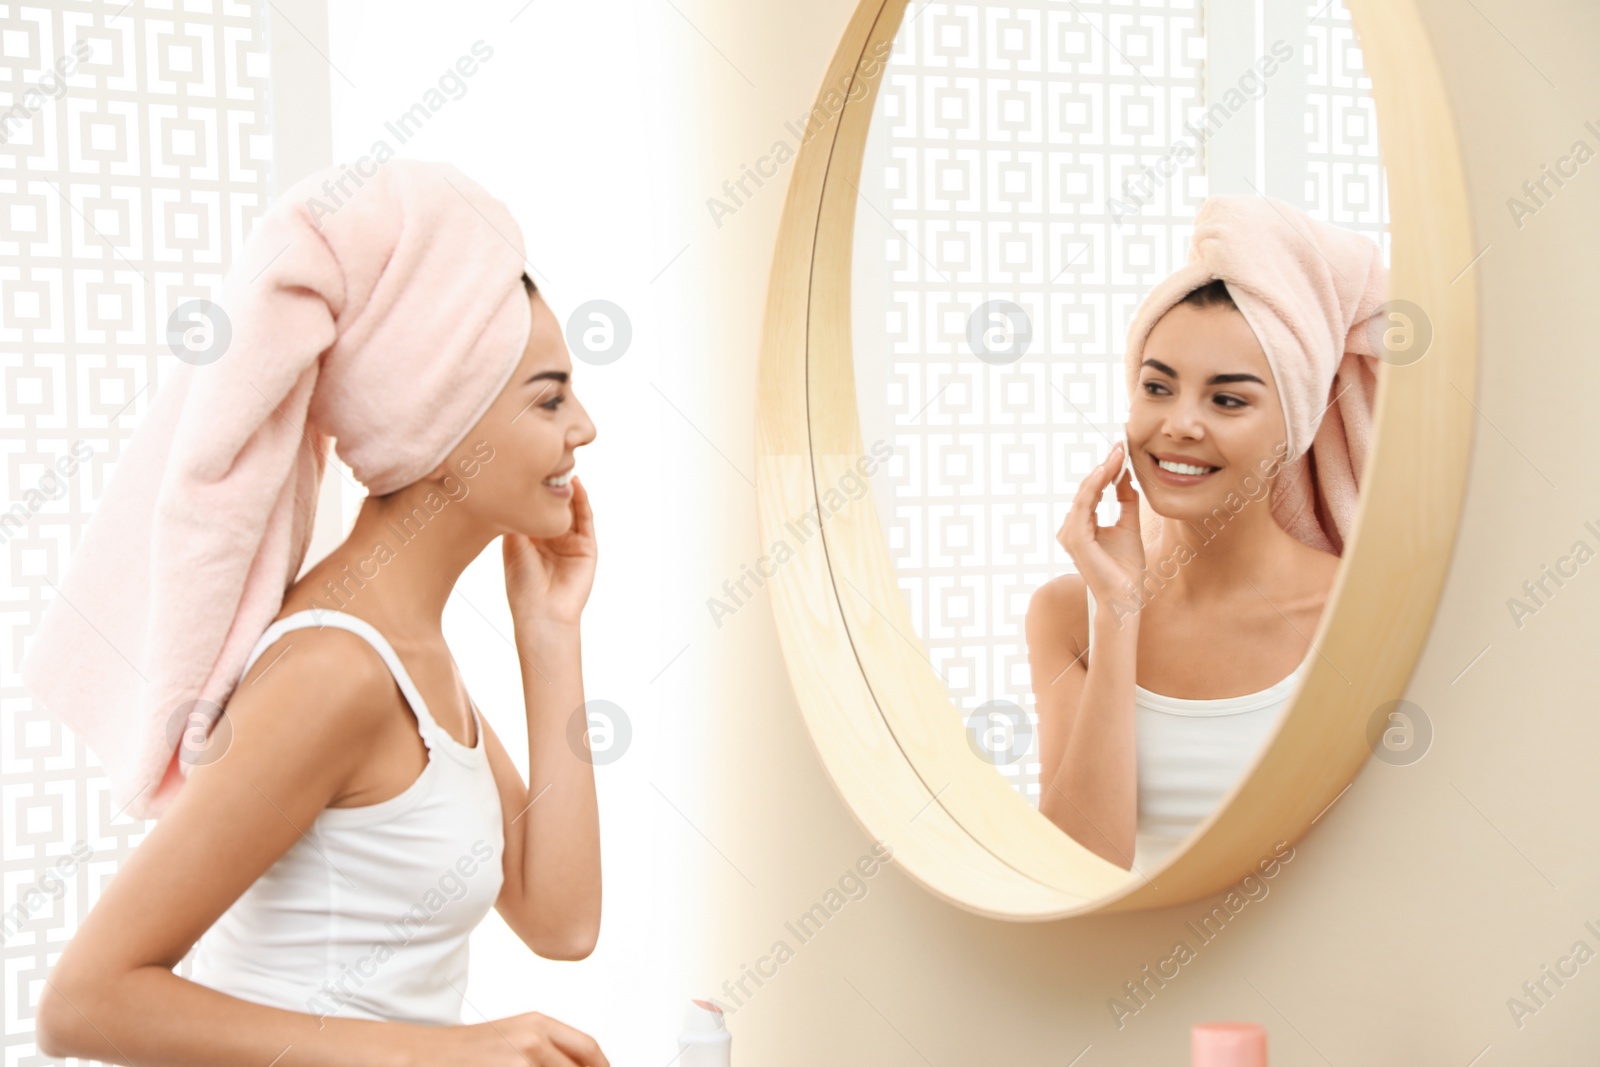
<point x="1191" y="752"/>
<point x="367" y="914"/>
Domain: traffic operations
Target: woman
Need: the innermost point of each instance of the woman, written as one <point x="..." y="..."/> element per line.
<point x="351" y="816"/>
<point x="1160" y="669"/>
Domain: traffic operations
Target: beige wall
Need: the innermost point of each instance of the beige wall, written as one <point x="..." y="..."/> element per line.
<point x="1428" y="894"/>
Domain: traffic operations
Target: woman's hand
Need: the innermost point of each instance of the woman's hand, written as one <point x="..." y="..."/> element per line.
<point x="527" y="1040"/>
<point x="1110" y="558"/>
<point x="548" y="579"/>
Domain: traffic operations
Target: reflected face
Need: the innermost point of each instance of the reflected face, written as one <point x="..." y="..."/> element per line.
<point x="1205" y="419"/>
<point x="526" y="443"/>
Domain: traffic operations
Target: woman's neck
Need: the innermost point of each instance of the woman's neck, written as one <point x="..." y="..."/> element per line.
<point x="1220" y="554"/>
<point x="396" y="569"/>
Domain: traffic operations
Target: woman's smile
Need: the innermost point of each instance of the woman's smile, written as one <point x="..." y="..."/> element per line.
<point x="560" y="484"/>
<point x="1180" y="474"/>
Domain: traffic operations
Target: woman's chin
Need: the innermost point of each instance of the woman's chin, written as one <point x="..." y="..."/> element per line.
<point x="1185" y="509"/>
<point x="552" y="524"/>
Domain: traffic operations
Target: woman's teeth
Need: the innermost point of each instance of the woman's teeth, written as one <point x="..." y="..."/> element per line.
<point x="559" y="480"/>
<point x="1184" y="468"/>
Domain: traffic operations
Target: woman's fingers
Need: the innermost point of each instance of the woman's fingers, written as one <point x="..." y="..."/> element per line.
<point x="1080" y="521"/>
<point x="1109" y="469"/>
<point x="1089" y="490"/>
<point x="582" y="513"/>
<point x="582" y="1048"/>
<point x="545" y="1042"/>
<point x="1125" y="489"/>
<point x="552" y="1056"/>
<point x="1128" y="504"/>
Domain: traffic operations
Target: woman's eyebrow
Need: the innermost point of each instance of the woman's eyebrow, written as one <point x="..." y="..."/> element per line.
<point x="1215" y="379"/>
<point x="554" y="375"/>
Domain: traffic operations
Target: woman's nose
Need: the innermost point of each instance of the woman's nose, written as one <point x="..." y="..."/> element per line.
<point x="584" y="427"/>
<point x="1184" y="420"/>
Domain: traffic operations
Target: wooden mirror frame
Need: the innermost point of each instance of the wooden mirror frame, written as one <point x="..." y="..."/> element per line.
<point x="883" y="723"/>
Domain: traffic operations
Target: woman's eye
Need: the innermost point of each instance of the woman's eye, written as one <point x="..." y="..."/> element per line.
<point x="1230" y="402"/>
<point x="1152" y="385"/>
<point x="554" y="402"/>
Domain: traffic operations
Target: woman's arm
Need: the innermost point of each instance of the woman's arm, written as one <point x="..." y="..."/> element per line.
<point x="299" y="725"/>
<point x="551" y="894"/>
<point x="1088" y="779"/>
<point x="1088" y="773"/>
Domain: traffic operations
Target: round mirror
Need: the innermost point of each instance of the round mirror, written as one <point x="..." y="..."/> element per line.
<point x="1028" y="175"/>
<point x="998" y="190"/>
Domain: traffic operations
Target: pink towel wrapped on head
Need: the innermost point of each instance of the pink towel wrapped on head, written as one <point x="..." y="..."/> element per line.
<point x="389" y="321"/>
<point x="1310" y="292"/>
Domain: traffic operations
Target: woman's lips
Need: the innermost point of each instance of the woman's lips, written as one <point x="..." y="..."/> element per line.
<point x="564" y="489"/>
<point x="1173" y="478"/>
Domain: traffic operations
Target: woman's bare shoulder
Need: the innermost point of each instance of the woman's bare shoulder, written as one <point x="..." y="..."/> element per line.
<point x="1059" y="612"/>
<point x="322" y="656"/>
<point x="288" y="738"/>
<point x="328" y="687"/>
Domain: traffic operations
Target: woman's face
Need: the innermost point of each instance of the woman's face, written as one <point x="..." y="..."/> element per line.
<point x="1205" y="398"/>
<point x="524" y="446"/>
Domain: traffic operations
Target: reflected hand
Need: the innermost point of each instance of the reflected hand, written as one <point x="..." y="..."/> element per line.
<point x="1110" y="558"/>
<point x="548" y="578"/>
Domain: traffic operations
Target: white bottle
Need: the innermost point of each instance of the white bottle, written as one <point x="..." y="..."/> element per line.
<point x="705" y="1041"/>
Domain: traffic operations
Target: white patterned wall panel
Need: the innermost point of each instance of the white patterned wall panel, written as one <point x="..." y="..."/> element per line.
<point x="121" y="195"/>
<point x="1345" y="182"/>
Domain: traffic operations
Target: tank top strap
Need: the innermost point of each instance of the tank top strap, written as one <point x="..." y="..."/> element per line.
<point x="362" y="628"/>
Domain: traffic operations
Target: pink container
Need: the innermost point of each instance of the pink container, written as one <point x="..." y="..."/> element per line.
<point x="1227" y="1045"/>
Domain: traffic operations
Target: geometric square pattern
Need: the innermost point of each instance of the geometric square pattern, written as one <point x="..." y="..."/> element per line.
<point x="134" y="158"/>
<point x="1345" y="180"/>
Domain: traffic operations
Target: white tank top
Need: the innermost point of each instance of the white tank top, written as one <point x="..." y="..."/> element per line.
<point x="367" y="914"/>
<point x="1191" y="752"/>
